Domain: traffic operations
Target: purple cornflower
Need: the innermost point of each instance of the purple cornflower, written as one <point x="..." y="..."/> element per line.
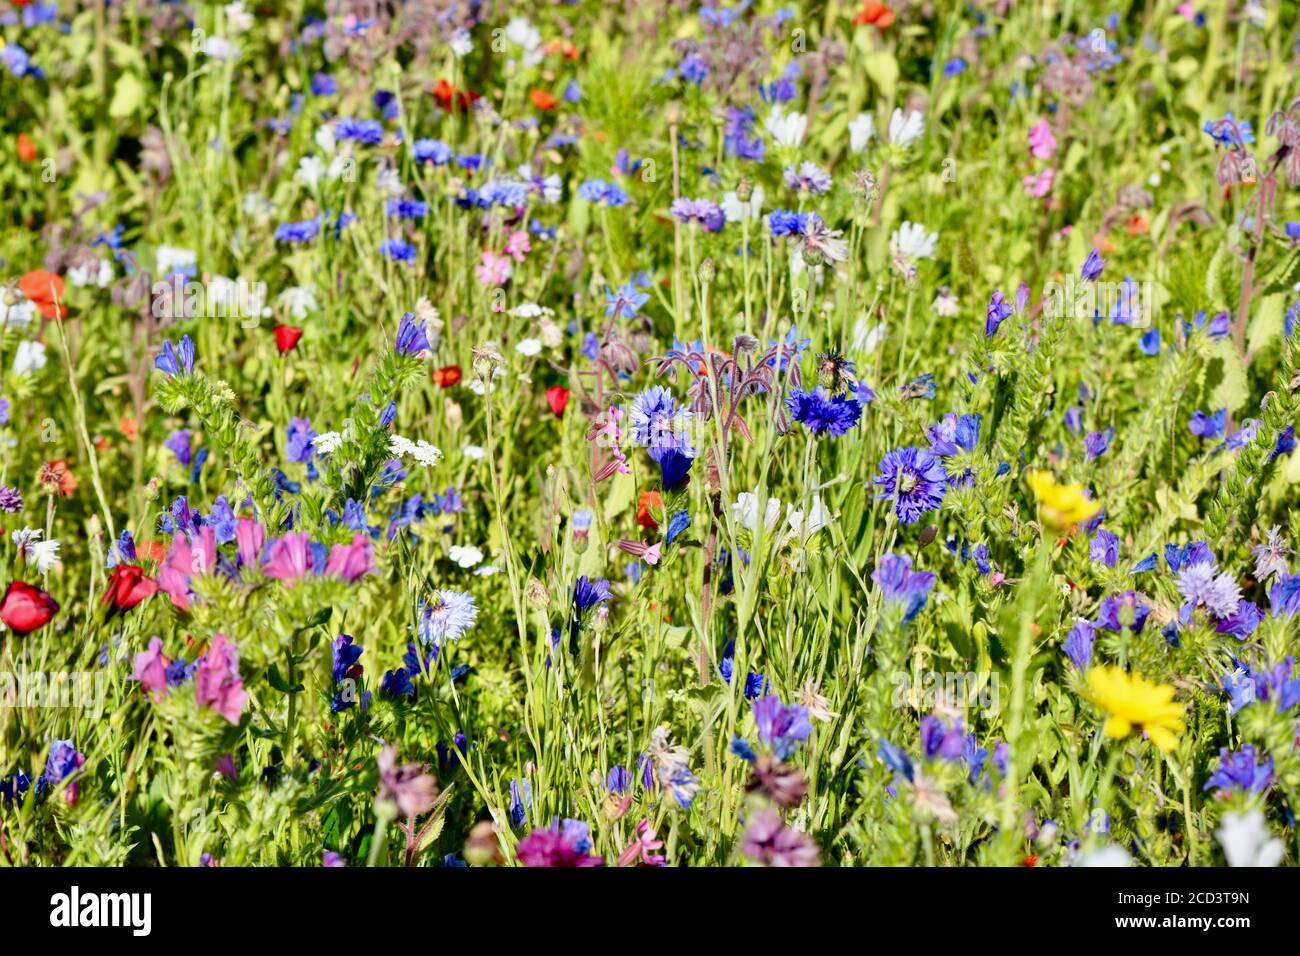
<point x="819" y="413"/>
<point x="899" y="584"/>
<point x="780" y="727"/>
<point x="11" y="500"/>
<point x="659" y="424"/>
<point x="1240" y="771"/>
<point x="1202" y="585"/>
<point x="559" y="845"/>
<point x="699" y="212"/>
<point x="914" y="479"/>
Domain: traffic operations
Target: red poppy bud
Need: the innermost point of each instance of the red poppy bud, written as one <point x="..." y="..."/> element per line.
<point x="25" y="608"/>
<point x="286" y="338"/>
<point x="127" y="587"/>
<point x="557" y="396"/>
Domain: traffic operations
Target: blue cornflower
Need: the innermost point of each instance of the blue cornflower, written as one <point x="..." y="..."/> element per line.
<point x="783" y="222"/>
<point x="914" y="479"/>
<point x="304" y="231"/>
<point x="833" y="415"/>
<point x="397" y="250"/>
<point x="447" y="615"/>
<point x="407" y="208"/>
<point x="323" y="84"/>
<point x="368" y="132"/>
<point x="431" y="151"/>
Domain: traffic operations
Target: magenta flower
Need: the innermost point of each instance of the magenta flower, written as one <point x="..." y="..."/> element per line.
<point x="769" y="841"/>
<point x="289" y="558"/>
<point x="559" y="845"/>
<point x="249" y="538"/>
<point x="641" y="850"/>
<point x="217" y="683"/>
<point x="351" y="562"/>
<point x="1042" y="144"/>
<point x="151" y="668"/>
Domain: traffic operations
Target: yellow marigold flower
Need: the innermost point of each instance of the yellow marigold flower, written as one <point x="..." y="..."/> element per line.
<point x="1060" y="506"/>
<point x="1130" y="700"/>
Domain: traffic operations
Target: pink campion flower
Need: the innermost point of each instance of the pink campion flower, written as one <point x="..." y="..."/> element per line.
<point x="641" y="849"/>
<point x="151" y="668"/>
<point x="1042" y="144"/>
<point x="493" y="270"/>
<point x="351" y="562"/>
<point x="217" y="683"/>
<point x="249" y="538"/>
<point x="1187" y="11"/>
<point x="289" y="558"/>
<point x="518" y="245"/>
<point x="1040" y="185"/>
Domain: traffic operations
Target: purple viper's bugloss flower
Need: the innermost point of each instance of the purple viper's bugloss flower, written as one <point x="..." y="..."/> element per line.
<point x="1240" y="771"/>
<point x="899" y="584"/>
<point x="780" y="727"/>
<point x="1078" y="644"/>
<point x="1092" y="266"/>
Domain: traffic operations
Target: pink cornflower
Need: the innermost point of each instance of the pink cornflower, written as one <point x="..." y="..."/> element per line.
<point x="1042" y="144"/>
<point x="493" y="270"/>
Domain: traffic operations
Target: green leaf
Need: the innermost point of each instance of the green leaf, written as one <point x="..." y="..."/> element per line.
<point x="128" y="92"/>
<point x="1229" y="387"/>
<point x="274" y="678"/>
<point x="882" y="68"/>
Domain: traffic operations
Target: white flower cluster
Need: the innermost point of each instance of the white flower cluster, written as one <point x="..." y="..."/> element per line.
<point x="421" y="450"/>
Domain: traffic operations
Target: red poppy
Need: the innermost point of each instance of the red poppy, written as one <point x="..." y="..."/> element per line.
<point x="25" y="608"/>
<point x="286" y="337"/>
<point x="649" y="504"/>
<point x="543" y="100"/>
<point x="26" y="148"/>
<point x="447" y="376"/>
<point x="451" y="99"/>
<point x="43" y="288"/>
<point x="875" y="12"/>
<point x="557" y="396"/>
<point x="127" y="587"/>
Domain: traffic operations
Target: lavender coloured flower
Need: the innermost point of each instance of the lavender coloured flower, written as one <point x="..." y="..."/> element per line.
<point x="914" y="480"/>
<point x="781" y="727"/>
<point x="1241" y="771"/>
<point x="899" y="584"/>
<point x="1078" y="644"/>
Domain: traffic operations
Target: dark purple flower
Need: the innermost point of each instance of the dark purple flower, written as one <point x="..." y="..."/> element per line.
<point x="559" y="845"/>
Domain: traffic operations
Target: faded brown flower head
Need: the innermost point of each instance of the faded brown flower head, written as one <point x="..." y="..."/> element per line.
<point x="408" y="786"/>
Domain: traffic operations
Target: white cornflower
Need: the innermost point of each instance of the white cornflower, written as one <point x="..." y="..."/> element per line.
<point x="40" y="554"/>
<point x="861" y="128"/>
<point x="310" y="171"/>
<point x="521" y="32"/>
<point x="529" y="347"/>
<point x="1106" y="856"/>
<point x="461" y="43"/>
<point x="804" y="527"/>
<point x="219" y="48"/>
<point x="905" y="128"/>
<point x="910" y="241"/>
<point x="786" y="128"/>
<point x="325" y="139"/>
<point x="486" y="570"/>
<point x="17" y="315"/>
<point x="474" y="451"/>
<point x="466" y="556"/>
<point x="327" y="442"/>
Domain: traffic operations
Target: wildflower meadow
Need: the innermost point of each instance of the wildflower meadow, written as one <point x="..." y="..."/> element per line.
<point x="470" y="433"/>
